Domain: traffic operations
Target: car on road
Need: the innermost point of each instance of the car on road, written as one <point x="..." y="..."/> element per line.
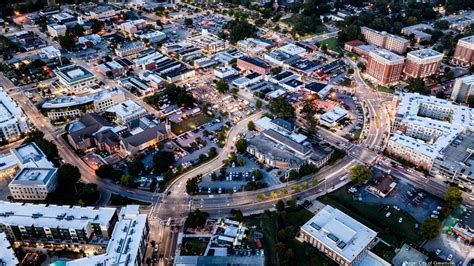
<point x="450" y="257"/>
<point x="400" y="220"/>
<point x="437" y="252"/>
<point x="388" y="214"/>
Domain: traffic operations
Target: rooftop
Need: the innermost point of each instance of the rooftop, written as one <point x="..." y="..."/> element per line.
<point x="30" y="155"/>
<point x="73" y="73"/>
<point x="334" y="115"/>
<point x="7" y="254"/>
<point x="386" y="55"/>
<point x="33" y="176"/>
<point x="69" y="101"/>
<point x="425" y="54"/>
<point x="339" y="232"/>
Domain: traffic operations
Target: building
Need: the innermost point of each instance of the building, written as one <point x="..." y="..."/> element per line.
<point x="130" y="48"/>
<point x="50" y="52"/>
<point x="332" y="117"/>
<point x="125" y="112"/>
<point x="64" y="18"/>
<point x="224" y="72"/>
<point x="32" y="183"/>
<point x="7" y="254"/>
<point x="70" y="107"/>
<point x="209" y="43"/>
<point x="253" y="64"/>
<point x="464" y="231"/>
<point x="455" y="163"/>
<point x="464" y="53"/>
<point x="133" y="26"/>
<point x="74" y="77"/>
<point x="90" y="40"/>
<point x="418" y="31"/>
<point x="321" y="89"/>
<point x="383" y="39"/>
<point x="56" y="30"/>
<point x="128" y="241"/>
<point x="151" y="36"/>
<point x="41" y="223"/>
<point x="341" y="237"/>
<point x="255" y="46"/>
<point x="461" y="20"/>
<point x="102" y="12"/>
<point x="425" y="126"/>
<point x="462" y="89"/>
<point x="422" y="63"/>
<point x="13" y="121"/>
<point x="141" y="134"/>
<point x="81" y="132"/>
<point x="114" y="68"/>
<point x="384" y="66"/>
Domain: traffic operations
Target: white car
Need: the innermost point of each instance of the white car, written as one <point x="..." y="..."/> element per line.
<point x="437" y="252"/>
<point x="396" y="208"/>
<point x="400" y="220"/>
<point x="388" y="214"/>
<point x="450" y="257"/>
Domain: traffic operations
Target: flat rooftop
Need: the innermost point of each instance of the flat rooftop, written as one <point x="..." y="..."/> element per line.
<point x="7" y="254"/>
<point x="52" y="216"/>
<point x="386" y="55"/>
<point x="339" y="232"/>
<point x="73" y="73"/>
<point x="33" y="176"/>
<point x="425" y="54"/>
<point x="30" y="155"/>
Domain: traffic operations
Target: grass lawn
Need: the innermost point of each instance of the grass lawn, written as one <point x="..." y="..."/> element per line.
<point x="384" y="251"/>
<point x="331" y="43"/>
<point x="290" y="221"/>
<point x="373" y="216"/>
<point x="289" y="22"/>
<point x="190" y="124"/>
<point x="385" y="89"/>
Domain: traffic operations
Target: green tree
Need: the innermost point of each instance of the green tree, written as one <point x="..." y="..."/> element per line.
<point x="135" y="167"/>
<point x="196" y="219"/>
<point x="67" y="42"/>
<point x="96" y="25"/>
<point x="241" y="145"/>
<point x="126" y="180"/>
<point x="293" y="175"/>
<point x="212" y="152"/>
<point x="470" y="101"/>
<point x="360" y="173"/>
<point x="188" y="22"/>
<point x="222" y="86"/>
<point x="442" y="24"/>
<point x="239" y="30"/>
<point x="280" y="206"/>
<point x="418" y="85"/>
<point x="192" y="185"/>
<point x="449" y="75"/>
<point x="162" y="160"/>
<point x="68" y="175"/>
<point x="453" y="198"/>
<point x="281" y="108"/>
<point x="251" y="126"/>
<point x="430" y="228"/>
<point x="258" y="104"/>
<point x="257" y="174"/>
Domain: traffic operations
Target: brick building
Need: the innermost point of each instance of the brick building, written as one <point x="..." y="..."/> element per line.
<point x="382" y="39"/>
<point x="253" y="64"/>
<point x="384" y="66"/>
<point x="464" y="54"/>
<point x="422" y="63"/>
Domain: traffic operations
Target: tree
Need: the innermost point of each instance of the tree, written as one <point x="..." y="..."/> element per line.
<point x="470" y="101"/>
<point x="417" y="85"/>
<point x="258" y="104"/>
<point x="430" y="228"/>
<point x="361" y="66"/>
<point x="251" y="126"/>
<point x="188" y="22"/>
<point x="192" y="185"/>
<point x="257" y="174"/>
<point x="135" y="167"/>
<point x="276" y="70"/>
<point x="222" y="86"/>
<point x="324" y="48"/>
<point x="196" y="219"/>
<point x="126" y="180"/>
<point x="280" y="206"/>
<point x="281" y="108"/>
<point x="162" y="161"/>
<point x="96" y="25"/>
<point x="239" y="30"/>
<point x="453" y="198"/>
<point x="238" y="215"/>
<point x="442" y="24"/>
<point x="293" y="175"/>
<point x="449" y="75"/>
<point x="67" y="42"/>
<point x="291" y="203"/>
<point x="68" y="175"/>
<point x="360" y="173"/>
<point x="241" y="145"/>
<point x="212" y="152"/>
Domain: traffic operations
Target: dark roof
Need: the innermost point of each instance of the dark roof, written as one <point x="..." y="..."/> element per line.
<point x="254" y="61"/>
<point x="288" y="125"/>
<point x="92" y="123"/>
<point x="283" y="75"/>
<point x="107" y="137"/>
<point x="146" y="135"/>
<point x="315" y="86"/>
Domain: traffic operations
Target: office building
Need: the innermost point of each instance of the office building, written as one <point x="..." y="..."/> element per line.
<point x="339" y="236"/>
<point x="41" y="223"/>
<point x="462" y="89"/>
<point x="56" y="30"/>
<point x="13" y="121"/>
<point x="125" y="112"/>
<point x="133" y="26"/>
<point x="384" y="40"/>
<point x="209" y="43"/>
<point x="464" y="53"/>
<point x="422" y="63"/>
<point x="7" y="254"/>
<point x="70" y="107"/>
<point x="130" y="48"/>
<point x="253" y="64"/>
<point x="74" y="77"/>
<point x="384" y="66"/>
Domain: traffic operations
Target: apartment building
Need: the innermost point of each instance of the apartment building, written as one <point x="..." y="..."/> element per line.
<point x="462" y="89"/>
<point x="384" y="66"/>
<point x="133" y="26"/>
<point x="130" y="48"/>
<point x="339" y="236"/>
<point x="74" y="77"/>
<point x="464" y="53"/>
<point x="422" y="63"/>
<point x="382" y="39"/>
<point x="41" y="223"/>
<point x="70" y="107"/>
<point x="13" y="121"/>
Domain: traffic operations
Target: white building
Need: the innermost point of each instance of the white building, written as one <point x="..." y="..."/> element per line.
<point x="151" y="36"/>
<point x="37" y="175"/>
<point x="128" y="242"/>
<point x="130" y="48"/>
<point x="224" y="71"/>
<point x="102" y="12"/>
<point x="332" y="117"/>
<point x="293" y="49"/>
<point x="12" y="120"/>
<point x="339" y="236"/>
<point x="74" y="77"/>
<point x="126" y="111"/>
<point x="424" y="126"/>
<point x="56" y="30"/>
<point x="51" y="52"/>
<point x="7" y="254"/>
<point x="131" y="27"/>
<point x="68" y="107"/>
<point x="209" y="43"/>
<point x="92" y="39"/>
<point x="462" y="89"/>
<point x="56" y="224"/>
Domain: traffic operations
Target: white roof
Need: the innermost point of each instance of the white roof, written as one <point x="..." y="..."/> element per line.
<point x="10" y="112"/>
<point x="292" y="49"/>
<point x="386" y="55"/>
<point x="29" y="155"/>
<point x="7" y="255"/>
<point x="52" y="216"/>
<point x="125" y="243"/>
<point x="126" y="109"/>
<point x="339" y="232"/>
<point x="69" y="101"/>
<point x="334" y="115"/>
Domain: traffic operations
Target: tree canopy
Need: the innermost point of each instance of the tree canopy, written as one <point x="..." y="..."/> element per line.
<point x="281" y="108"/>
<point x="360" y="173"/>
<point x="241" y="145"/>
<point x="239" y="30"/>
<point x="430" y="228"/>
<point x="418" y="85"/>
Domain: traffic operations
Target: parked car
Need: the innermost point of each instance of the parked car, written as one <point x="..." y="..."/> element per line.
<point x="450" y="257"/>
<point x="437" y="252"/>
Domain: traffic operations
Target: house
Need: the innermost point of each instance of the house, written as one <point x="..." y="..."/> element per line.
<point x="141" y="134"/>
